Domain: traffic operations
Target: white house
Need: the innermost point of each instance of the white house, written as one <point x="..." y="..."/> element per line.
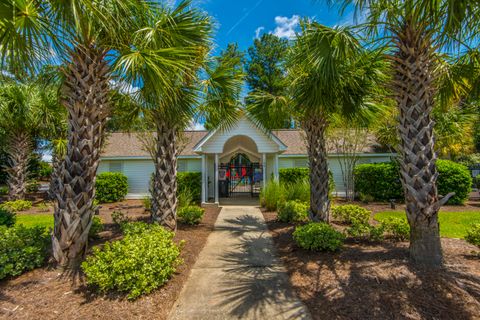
<point x="233" y="161"/>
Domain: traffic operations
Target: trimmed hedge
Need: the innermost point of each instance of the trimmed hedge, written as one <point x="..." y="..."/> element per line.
<point x="111" y="187"/>
<point x="454" y="177"/>
<point x="382" y="181"/>
<point x="191" y="181"/>
<point x="379" y="180"/>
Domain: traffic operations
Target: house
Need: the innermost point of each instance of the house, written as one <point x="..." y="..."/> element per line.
<point x="232" y="162"/>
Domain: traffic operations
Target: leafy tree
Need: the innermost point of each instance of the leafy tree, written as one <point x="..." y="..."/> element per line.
<point x="413" y="30"/>
<point x="265" y="74"/>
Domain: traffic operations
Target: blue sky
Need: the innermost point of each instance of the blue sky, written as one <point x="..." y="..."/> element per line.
<point x="242" y="20"/>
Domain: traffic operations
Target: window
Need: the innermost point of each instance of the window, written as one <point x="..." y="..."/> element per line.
<point x="116" y="166"/>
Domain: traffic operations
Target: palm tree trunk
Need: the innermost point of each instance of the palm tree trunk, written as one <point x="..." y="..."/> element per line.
<point x="86" y="91"/>
<point x="18" y="152"/>
<point x="164" y="191"/>
<point x="315" y="128"/>
<point x="414" y="89"/>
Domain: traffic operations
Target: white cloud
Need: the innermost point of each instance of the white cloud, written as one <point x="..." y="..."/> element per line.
<point x="258" y="31"/>
<point x="286" y="26"/>
<point x="196" y="126"/>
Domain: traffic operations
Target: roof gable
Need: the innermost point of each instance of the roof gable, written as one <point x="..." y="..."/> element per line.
<point x="215" y="140"/>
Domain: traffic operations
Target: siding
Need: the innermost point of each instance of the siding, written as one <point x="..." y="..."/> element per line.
<point x="139" y="172"/>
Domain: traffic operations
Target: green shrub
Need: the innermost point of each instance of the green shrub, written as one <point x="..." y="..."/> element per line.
<point x="3" y="190"/>
<point x="190" y="215"/>
<point x="111" y="187"/>
<point x="22" y="249"/>
<point x="7" y="217"/>
<point x="351" y="214"/>
<point x="272" y="195"/>
<point x="97" y="226"/>
<point x="142" y="261"/>
<point x="184" y="197"/>
<point x="293" y="211"/>
<point x="33" y="186"/>
<point x="473" y="235"/>
<point x="454" y="177"/>
<point x="190" y="182"/>
<point x="365" y="231"/>
<point x="119" y="218"/>
<point x="381" y="181"/>
<point x="318" y="237"/>
<point x="397" y="227"/>
<point x="17" y="205"/>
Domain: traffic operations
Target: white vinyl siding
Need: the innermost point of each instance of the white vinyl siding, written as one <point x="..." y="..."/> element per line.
<point x="139" y="171"/>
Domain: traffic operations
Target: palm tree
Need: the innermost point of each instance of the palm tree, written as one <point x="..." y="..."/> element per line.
<point x="329" y="73"/>
<point x="27" y="114"/>
<point x="415" y="30"/>
<point x="210" y="89"/>
<point x="81" y="35"/>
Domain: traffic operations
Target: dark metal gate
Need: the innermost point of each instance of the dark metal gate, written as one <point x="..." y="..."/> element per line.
<point x="236" y="180"/>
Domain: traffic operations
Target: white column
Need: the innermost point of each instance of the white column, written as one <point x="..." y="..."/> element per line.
<point x="264" y="168"/>
<point x="216" y="178"/>
<point x="275" y="169"/>
<point x="204" y="179"/>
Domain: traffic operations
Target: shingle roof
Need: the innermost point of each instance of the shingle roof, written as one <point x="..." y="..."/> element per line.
<point x="120" y="144"/>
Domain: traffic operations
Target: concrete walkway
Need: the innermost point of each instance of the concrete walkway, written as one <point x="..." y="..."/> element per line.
<point x="237" y="275"/>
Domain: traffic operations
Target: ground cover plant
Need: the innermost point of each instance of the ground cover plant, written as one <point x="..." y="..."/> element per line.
<point x="142" y="261"/>
<point x="17" y="205"/>
<point x="22" y="249"/>
<point x="190" y="215"/>
<point x="293" y="211"/>
<point x="318" y="236"/>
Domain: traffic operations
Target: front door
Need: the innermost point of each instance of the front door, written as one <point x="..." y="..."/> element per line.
<point x="240" y="177"/>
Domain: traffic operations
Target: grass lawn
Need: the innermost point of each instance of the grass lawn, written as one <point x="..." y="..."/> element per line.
<point x="30" y="220"/>
<point x="452" y="224"/>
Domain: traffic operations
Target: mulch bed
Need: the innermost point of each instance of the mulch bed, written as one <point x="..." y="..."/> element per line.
<point x="44" y="294"/>
<point x="375" y="281"/>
